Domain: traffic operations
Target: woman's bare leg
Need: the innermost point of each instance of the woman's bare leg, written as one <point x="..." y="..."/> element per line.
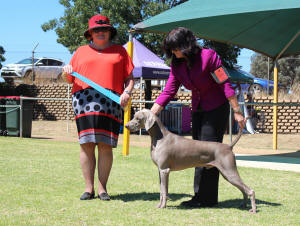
<point x="105" y="160"/>
<point x="88" y="165"/>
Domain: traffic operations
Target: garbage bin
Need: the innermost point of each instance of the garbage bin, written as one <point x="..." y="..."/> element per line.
<point x="2" y="118"/>
<point x="13" y="116"/>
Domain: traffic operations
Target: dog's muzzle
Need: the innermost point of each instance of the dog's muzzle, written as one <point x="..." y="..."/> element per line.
<point x="132" y="126"/>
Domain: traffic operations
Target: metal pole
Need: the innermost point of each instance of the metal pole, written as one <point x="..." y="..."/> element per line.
<point x="288" y="45"/>
<point x="230" y="124"/>
<point x="127" y="110"/>
<point x="275" y="106"/>
<point x="68" y="106"/>
<point x="141" y="80"/>
<point x="33" y="77"/>
<point x="268" y="75"/>
<point x="21" y="117"/>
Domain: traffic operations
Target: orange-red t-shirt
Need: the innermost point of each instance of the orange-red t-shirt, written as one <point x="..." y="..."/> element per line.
<point x="108" y="68"/>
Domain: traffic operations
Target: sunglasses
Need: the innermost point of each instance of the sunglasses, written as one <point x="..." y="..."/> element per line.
<point x="101" y="29"/>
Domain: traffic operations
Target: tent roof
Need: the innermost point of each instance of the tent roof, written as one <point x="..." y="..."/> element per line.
<point x="147" y="64"/>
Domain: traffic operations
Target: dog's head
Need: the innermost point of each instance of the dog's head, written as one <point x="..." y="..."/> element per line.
<point x="142" y="119"/>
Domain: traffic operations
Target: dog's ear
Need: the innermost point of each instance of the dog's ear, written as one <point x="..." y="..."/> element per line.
<point x="150" y="120"/>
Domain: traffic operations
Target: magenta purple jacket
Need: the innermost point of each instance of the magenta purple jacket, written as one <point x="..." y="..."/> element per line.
<point x="205" y="91"/>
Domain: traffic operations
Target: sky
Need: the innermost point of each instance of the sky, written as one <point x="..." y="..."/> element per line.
<point x="20" y="32"/>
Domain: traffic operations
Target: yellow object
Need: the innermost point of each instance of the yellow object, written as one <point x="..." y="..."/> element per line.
<point x="127" y="110"/>
<point x="275" y="107"/>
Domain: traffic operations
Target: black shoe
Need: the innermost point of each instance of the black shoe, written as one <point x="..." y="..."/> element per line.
<point x="87" y="196"/>
<point x="194" y="202"/>
<point x="104" y="196"/>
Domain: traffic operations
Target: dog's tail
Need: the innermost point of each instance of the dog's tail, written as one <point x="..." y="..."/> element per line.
<point x="239" y="135"/>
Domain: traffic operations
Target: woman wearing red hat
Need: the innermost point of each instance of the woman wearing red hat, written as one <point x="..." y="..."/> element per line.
<point x="98" y="118"/>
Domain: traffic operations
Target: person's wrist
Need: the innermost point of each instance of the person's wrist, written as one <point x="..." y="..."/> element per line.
<point x="128" y="92"/>
<point x="64" y="76"/>
<point x="238" y="111"/>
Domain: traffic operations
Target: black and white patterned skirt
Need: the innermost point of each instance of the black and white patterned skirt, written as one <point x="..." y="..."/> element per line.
<point x="98" y="118"/>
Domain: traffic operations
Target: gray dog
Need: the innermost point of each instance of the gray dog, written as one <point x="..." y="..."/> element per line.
<point x="171" y="152"/>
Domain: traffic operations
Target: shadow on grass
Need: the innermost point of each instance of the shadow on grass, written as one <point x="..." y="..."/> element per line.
<point x="230" y="204"/>
<point x="41" y="138"/>
<point x="129" y="197"/>
<point x="227" y="204"/>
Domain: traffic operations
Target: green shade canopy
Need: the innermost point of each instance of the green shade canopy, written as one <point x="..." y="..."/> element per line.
<point x="271" y="27"/>
<point x="240" y="76"/>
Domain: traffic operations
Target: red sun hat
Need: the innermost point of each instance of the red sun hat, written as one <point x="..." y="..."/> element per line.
<point x="99" y="21"/>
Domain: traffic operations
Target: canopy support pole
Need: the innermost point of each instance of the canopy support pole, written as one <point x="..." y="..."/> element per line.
<point x="275" y="101"/>
<point x="141" y="81"/>
<point x="275" y="91"/>
<point x="288" y="45"/>
<point x="127" y="110"/>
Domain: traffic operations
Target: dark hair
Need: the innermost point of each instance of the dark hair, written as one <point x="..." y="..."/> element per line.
<point x="184" y="40"/>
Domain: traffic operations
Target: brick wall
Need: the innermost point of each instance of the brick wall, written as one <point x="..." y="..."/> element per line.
<point x="288" y="116"/>
<point x="53" y="109"/>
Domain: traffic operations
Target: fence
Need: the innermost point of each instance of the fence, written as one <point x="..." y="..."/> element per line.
<point x="176" y="127"/>
<point x="53" y="102"/>
<point x="176" y="117"/>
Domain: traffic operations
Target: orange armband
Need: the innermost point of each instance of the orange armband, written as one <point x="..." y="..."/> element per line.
<point x="220" y="75"/>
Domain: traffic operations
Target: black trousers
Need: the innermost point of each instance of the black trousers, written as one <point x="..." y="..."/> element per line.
<point x="209" y="126"/>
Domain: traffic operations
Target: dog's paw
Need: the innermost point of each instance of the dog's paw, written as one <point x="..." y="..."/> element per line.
<point x="160" y="205"/>
<point x="252" y="211"/>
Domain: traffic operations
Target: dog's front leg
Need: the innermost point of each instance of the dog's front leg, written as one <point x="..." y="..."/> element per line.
<point x="164" y="181"/>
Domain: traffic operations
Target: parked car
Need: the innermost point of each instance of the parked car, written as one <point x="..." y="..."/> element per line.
<point x="43" y="67"/>
<point x="260" y="85"/>
<point x="2" y="80"/>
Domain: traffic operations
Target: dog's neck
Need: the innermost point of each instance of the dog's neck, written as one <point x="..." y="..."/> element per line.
<point x="155" y="133"/>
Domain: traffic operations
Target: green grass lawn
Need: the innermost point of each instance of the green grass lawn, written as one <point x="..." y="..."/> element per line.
<point x="41" y="182"/>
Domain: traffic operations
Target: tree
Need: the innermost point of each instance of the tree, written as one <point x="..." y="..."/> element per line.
<point x="259" y="65"/>
<point x="123" y="15"/>
<point x="227" y="53"/>
<point x="2" y="58"/>
<point x="173" y="3"/>
<point x="288" y="68"/>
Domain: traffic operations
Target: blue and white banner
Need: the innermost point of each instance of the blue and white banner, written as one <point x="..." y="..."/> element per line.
<point x="97" y="87"/>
